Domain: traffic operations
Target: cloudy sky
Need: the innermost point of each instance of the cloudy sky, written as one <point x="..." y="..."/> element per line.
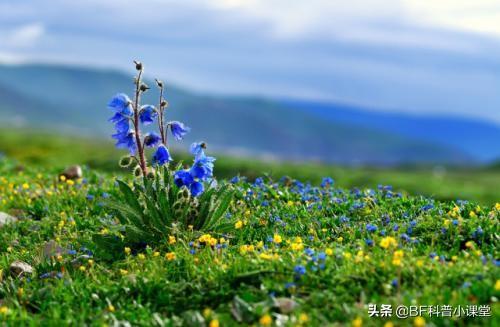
<point x="416" y="56"/>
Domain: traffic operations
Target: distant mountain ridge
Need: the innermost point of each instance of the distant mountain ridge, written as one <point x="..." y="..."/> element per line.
<point x="75" y="98"/>
<point x="476" y="137"/>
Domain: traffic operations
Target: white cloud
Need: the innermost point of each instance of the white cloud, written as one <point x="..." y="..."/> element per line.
<point x="480" y="16"/>
<point x="408" y="54"/>
<point x="22" y="36"/>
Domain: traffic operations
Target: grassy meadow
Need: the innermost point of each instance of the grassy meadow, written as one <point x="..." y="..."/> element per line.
<point x="295" y="255"/>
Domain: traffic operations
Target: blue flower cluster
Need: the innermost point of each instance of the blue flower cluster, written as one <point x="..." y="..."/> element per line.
<point x="130" y="115"/>
<point x="200" y="171"/>
<point x="124" y="136"/>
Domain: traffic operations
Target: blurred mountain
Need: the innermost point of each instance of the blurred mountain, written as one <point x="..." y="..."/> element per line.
<point x="478" y="138"/>
<point x="73" y="99"/>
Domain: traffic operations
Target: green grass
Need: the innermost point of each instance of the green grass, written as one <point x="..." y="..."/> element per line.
<point x="170" y="285"/>
<point x="55" y="151"/>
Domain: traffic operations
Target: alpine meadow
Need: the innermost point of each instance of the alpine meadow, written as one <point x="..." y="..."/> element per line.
<point x="156" y="238"/>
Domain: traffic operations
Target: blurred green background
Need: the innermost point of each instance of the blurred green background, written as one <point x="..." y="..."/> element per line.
<point x="54" y="152"/>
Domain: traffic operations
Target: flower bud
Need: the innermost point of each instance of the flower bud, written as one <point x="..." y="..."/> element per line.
<point x="164" y="104"/>
<point x="159" y="83"/>
<point x="177" y="206"/>
<point x="144" y="87"/>
<point x="138" y="65"/>
<point x="125" y="161"/>
<point x="193" y="212"/>
<point x="150" y="174"/>
<point x="183" y="194"/>
<point x="137" y="171"/>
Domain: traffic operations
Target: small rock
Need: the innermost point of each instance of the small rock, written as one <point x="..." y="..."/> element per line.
<point x="72" y="172"/>
<point x="285" y="305"/>
<point x="6" y="218"/>
<point x="20" y="269"/>
<point x="51" y="248"/>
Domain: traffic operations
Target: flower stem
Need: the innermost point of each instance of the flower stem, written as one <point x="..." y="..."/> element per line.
<point x="160" y="118"/>
<point x="140" y="148"/>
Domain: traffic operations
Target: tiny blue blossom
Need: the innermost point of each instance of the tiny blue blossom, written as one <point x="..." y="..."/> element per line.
<point x="147" y="114"/>
<point x="196" y="188"/>
<point x="161" y="156"/>
<point x="152" y="139"/>
<point x="299" y="270"/>
<point x="179" y="130"/>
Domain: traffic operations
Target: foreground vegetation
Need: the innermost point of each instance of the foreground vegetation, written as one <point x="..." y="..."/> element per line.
<point x="53" y="152"/>
<point x="297" y="255"/>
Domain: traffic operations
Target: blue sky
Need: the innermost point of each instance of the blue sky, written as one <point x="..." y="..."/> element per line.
<point x="416" y="56"/>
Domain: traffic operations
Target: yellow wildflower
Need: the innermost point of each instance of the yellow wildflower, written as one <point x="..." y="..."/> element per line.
<point x="277" y="239"/>
<point x="171" y="239"/>
<point x="214" y="323"/>
<point x="297" y="246"/>
<point x="207" y="312"/>
<point x="266" y="320"/>
<point x="127" y="250"/>
<point x="358" y="322"/>
<point x="419" y="322"/>
<point x="388" y="242"/>
<point x="238" y="224"/>
<point x="265" y="256"/>
<point x="170" y="256"/>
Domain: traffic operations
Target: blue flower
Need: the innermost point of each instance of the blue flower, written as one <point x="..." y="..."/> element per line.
<point x="327" y="181"/>
<point x="183" y="178"/>
<point x="309" y="252"/>
<point x="203" y="167"/>
<point x="196" y="149"/>
<point x="178" y="129"/>
<point x="371" y="228"/>
<point x="121" y="104"/>
<point x="161" y="156"/>
<point x="299" y="270"/>
<point x="151" y="140"/>
<point x="196" y="188"/>
<point x="125" y="140"/>
<point x="147" y="114"/>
